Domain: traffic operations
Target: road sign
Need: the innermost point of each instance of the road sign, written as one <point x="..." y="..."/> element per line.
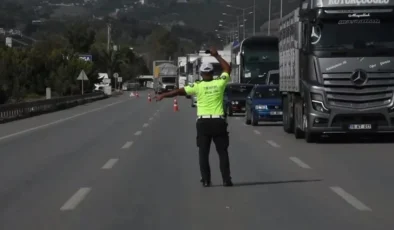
<point x="86" y="57"/>
<point x="116" y="75"/>
<point x="82" y="77"/>
<point x="120" y="79"/>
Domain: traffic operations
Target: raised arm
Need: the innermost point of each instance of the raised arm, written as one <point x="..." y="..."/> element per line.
<point x="225" y="66"/>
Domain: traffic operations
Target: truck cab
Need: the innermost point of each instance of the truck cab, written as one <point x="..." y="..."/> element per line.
<point x="337" y="68"/>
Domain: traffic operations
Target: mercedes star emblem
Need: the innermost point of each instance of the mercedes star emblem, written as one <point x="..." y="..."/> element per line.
<point x="359" y="77"/>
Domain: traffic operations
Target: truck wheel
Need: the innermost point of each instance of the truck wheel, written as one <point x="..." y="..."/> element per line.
<point x="247" y="119"/>
<point x="287" y="120"/>
<point x="298" y="133"/>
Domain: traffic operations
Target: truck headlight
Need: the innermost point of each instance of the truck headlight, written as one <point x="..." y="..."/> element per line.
<point x="317" y="103"/>
<point x="261" y="107"/>
<point x="234" y="102"/>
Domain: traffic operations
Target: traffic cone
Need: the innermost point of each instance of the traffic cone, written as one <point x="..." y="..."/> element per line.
<point x="176" y="108"/>
<point x="149" y="98"/>
<point x="136" y="94"/>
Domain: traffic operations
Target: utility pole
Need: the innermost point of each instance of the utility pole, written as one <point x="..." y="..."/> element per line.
<point x="108" y="36"/>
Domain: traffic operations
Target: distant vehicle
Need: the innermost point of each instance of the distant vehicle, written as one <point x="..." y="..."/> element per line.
<point x="264" y="103"/>
<point x="235" y="96"/>
<point x="254" y="58"/>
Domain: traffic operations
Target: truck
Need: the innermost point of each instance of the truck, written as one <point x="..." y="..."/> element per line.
<point x="253" y="58"/>
<point x="336" y="73"/>
<point x="165" y="76"/>
<point x="182" y="78"/>
<point x="191" y="68"/>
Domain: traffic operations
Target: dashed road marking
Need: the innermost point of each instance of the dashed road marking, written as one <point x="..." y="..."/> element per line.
<point x="256" y="132"/>
<point x="76" y="199"/>
<point x="299" y="162"/>
<point x="273" y="143"/>
<point x="237" y="118"/>
<point x="138" y="133"/>
<point x="110" y="164"/>
<point x="145" y="125"/>
<point x="151" y="118"/>
<point x="353" y="201"/>
<point x="58" y="121"/>
<point x="127" y="145"/>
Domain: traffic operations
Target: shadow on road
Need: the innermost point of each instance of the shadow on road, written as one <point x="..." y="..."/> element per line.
<point x="242" y="184"/>
<point x="358" y="139"/>
<point x="267" y="124"/>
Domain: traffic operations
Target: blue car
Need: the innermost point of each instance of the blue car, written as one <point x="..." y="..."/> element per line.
<point x="264" y="103"/>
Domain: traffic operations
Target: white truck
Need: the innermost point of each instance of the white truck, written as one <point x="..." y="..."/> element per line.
<point x="182" y="77"/>
<point x="165" y="76"/>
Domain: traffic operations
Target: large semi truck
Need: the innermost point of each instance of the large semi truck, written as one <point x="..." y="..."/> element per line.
<point x="254" y="58"/>
<point x="165" y="76"/>
<point x="337" y="68"/>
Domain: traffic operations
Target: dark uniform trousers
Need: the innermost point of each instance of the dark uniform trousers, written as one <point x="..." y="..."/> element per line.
<point x="215" y="129"/>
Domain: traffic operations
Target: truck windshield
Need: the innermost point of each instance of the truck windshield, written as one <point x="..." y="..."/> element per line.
<point x="353" y="34"/>
<point x="273" y="79"/>
<point x="267" y="92"/>
<point x="257" y="63"/>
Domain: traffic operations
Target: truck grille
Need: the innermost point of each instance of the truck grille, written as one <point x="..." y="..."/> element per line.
<point x="376" y="92"/>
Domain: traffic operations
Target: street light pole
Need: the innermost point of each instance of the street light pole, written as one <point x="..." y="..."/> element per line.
<point x="243" y="23"/>
<point x="281" y="8"/>
<point x="254" y="17"/>
<point x="269" y="17"/>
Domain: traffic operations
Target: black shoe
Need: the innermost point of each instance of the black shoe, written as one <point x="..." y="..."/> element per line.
<point x="205" y="183"/>
<point x="227" y="183"/>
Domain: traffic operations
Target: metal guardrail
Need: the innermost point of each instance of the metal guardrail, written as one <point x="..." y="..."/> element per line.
<point x="10" y="112"/>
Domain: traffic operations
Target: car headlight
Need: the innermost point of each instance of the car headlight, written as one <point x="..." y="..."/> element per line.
<point x="234" y="102"/>
<point x="317" y="103"/>
<point x="261" y="107"/>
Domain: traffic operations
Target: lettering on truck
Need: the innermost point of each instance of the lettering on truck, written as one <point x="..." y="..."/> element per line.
<point x="357" y="2"/>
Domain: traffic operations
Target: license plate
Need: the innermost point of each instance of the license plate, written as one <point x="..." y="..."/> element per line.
<point x="276" y="113"/>
<point x="360" y="126"/>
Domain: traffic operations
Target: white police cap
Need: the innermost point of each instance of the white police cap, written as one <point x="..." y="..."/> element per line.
<point x="206" y="67"/>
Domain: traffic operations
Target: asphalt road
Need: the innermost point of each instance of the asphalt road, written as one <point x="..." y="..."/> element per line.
<point x="124" y="163"/>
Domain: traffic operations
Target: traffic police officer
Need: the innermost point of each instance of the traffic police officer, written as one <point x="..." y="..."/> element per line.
<point x="211" y="123"/>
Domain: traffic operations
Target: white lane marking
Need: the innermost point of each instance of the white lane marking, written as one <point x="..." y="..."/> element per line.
<point x="58" y="121"/>
<point x="299" y="162"/>
<point x="273" y="143"/>
<point x="137" y="133"/>
<point x="127" y="145"/>
<point x="237" y="118"/>
<point x="151" y="118"/>
<point x="110" y="164"/>
<point x="145" y="125"/>
<point x="77" y="198"/>
<point x="257" y="132"/>
<point x="350" y="199"/>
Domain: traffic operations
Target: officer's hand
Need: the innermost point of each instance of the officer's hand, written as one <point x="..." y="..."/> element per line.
<point x="214" y="51"/>
<point x="159" y="97"/>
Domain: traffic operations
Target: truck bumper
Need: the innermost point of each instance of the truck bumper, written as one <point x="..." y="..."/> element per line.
<point x="347" y="121"/>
